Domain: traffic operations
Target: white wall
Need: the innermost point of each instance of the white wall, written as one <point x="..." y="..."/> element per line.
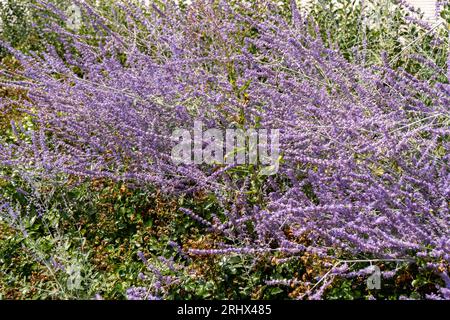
<point x="426" y="6"/>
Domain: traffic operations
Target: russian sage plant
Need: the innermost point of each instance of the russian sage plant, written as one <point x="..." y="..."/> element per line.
<point x="363" y="169"/>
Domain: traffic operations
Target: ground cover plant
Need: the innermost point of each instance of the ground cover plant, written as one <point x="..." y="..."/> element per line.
<point x="93" y="206"/>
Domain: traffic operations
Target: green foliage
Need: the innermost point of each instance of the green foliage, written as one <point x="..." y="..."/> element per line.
<point x="363" y="30"/>
<point x="15" y="23"/>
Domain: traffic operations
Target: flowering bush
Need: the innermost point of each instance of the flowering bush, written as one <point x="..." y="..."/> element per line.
<point x="363" y="170"/>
